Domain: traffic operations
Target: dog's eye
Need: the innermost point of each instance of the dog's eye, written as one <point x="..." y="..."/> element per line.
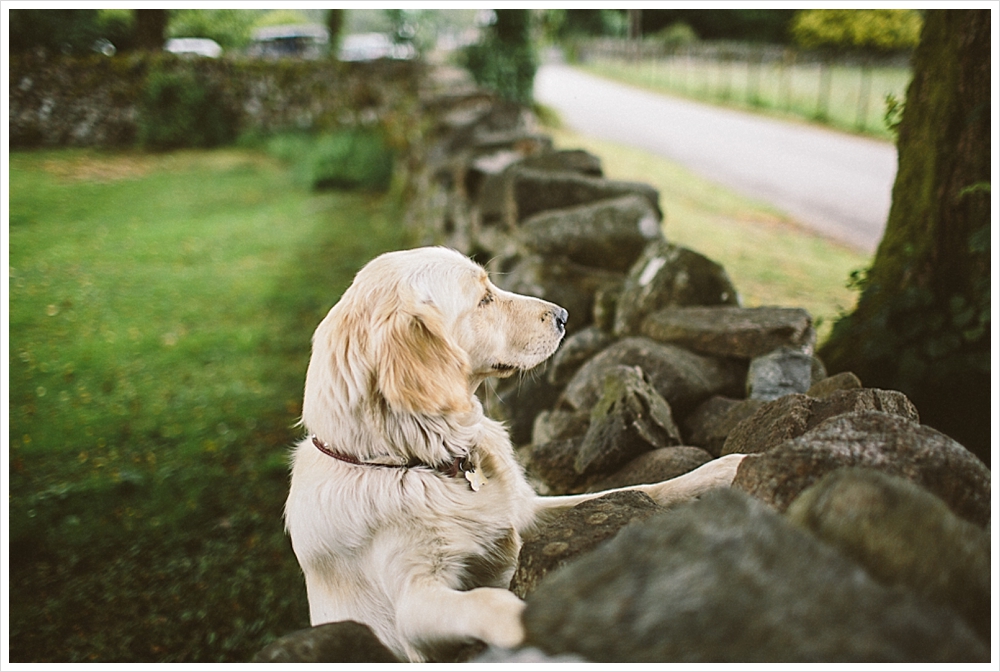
<point x="487" y="299"/>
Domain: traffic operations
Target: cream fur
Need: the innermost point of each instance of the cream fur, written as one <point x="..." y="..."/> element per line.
<point x="413" y="553"/>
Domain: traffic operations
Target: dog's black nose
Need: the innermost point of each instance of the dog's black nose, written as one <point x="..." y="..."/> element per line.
<point x="561" y="317"/>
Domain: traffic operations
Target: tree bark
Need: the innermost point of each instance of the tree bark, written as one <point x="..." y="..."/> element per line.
<point x="150" y="28"/>
<point x="922" y="324"/>
<point x="335" y="24"/>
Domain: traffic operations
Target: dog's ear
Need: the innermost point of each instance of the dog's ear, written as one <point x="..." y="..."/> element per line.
<point x="420" y="370"/>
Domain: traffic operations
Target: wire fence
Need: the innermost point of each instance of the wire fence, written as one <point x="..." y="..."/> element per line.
<point x="846" y="91"/>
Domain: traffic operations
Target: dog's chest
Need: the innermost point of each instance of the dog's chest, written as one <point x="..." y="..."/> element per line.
<point x="492" y="565"/>
<point x="493" y="514"/>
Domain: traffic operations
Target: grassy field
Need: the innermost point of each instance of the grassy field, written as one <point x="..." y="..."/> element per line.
<point x="161" y="308"/>
<point x="160" y="314"/>
<point x="853" y="102"/>
<point x="770" y="259"/>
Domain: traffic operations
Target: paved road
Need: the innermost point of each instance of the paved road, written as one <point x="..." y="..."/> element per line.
<point x="837" y="184"/>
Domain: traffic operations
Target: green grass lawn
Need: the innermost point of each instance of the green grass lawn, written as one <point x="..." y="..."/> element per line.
<point x="161" y="308"/>
<point x="770" y="259"/>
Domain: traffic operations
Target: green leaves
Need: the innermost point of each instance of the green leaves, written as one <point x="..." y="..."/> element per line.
<point x="875" y="29"/>
<point x="505" y="59"/>
<point x="179" y="109"/>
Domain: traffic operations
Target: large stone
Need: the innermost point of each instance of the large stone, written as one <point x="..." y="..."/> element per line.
<point x="502" y="115"/>
<point x="489" y="129"/>
<point x="562" y="282"/>
<point x="709" y="425"/>
<point x="795" y="414"/>
<point x="782" y="372"/>
<point x="535" y="191"/>
<point x="559" y="424"/>
<point x="903" y="536"/>
<point x="655" y="466"/>
<point x="519" y="402"/>
<point x="575" y="532"/>
<point x="493" y="196"/>
<point x="574" y="351"/>
<point x="341" y="642"/>
<point x="522" y="657"/>
<point x="888" y="443"/>
<point x="550" y="464"/>
<point x="520" y="140"/>
<point x="726" y="579"/>
<point x="835" y="383"/>
<point x="629" y="419"/>
<point x="608" y="234"/>
<point x="566" y="160"/>
<point x="665" y="276"/>
<point x="731" y="331"/>
<point x="606" y="304"/>
<point x="683" y="378"/>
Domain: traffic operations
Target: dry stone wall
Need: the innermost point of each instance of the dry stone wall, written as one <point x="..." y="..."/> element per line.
<point x="821" y="550"/>
<point x="95" y="101"/>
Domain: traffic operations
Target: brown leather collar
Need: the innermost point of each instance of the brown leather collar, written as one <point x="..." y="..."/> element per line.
<point x="452" y="469"/>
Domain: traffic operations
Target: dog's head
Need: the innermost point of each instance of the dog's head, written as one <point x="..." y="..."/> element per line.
<point x="419" y="330"/>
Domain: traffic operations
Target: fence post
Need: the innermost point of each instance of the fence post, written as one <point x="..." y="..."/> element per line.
<point x="825" y="76"/>
<point x="726" y="73"/>
<point x="863" y="94"/>
<point x="754" y="60"/>
<point x="785" y="79"/>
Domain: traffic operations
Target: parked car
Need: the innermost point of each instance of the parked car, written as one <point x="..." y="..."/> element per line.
<point x="198" y="46"/>
<point x="373" y="46"/>
<point x="308" y="40"/>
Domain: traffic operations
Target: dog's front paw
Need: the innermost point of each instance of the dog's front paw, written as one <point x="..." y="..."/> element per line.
<point x="504" y="629"/>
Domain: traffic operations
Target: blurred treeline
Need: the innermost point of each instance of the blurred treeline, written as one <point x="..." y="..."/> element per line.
<point x="76" y="30"/>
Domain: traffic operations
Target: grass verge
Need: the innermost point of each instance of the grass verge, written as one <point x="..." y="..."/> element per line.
<point x="160" y="314"/>
<point x="770" y="259"/>
<point x="843" y="97"/>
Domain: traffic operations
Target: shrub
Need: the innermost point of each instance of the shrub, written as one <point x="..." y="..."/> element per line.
<point x="70" y="31"/>
<point x="180" y="110"/>
<point x="872" y="29"/>
<point x="352" y="158"/>
<point x="505" y="60"/>
<point x="676" y="35"/>
<point x="507" y="70"/>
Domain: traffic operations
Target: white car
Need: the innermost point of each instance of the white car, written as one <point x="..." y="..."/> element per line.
<point x="309" y="41"/>
<point x="371" y="47"/>
<point x="198" y="46"/>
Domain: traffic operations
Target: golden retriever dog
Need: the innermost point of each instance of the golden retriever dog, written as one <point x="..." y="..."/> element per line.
<point x="407" y="505"/>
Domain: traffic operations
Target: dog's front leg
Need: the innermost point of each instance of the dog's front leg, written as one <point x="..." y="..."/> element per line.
<point x="429" y="611"/>
<point x="718" y="473"/>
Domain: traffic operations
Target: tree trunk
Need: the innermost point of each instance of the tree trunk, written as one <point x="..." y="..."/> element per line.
<point x="922" y="324"/>
<point x="150" y="28"/>
<point x="335" y="24"/>
<point x="634" y="24"/>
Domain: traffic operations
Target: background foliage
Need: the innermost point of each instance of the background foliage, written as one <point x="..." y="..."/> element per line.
<point x="505" y="59"/>
<point x="181" y="109"/>
<point x="858" y="29"/>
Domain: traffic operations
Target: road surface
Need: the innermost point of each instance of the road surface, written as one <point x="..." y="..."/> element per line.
<point x="837" y="184"/>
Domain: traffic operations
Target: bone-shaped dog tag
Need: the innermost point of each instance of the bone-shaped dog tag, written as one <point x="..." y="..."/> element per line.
<point x="475" y="479"/>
